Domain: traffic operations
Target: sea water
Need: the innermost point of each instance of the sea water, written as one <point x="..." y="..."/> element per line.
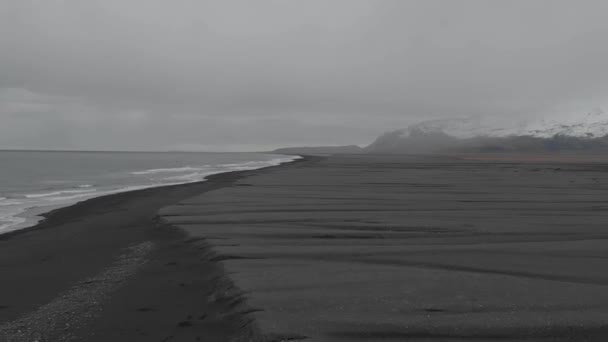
<point x="32" y="182"/>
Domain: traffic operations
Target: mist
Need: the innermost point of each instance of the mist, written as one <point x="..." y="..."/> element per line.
<point x="241" y="75"/>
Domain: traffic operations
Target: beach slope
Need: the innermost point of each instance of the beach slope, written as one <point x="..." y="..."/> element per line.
<point x="394" y="248"/>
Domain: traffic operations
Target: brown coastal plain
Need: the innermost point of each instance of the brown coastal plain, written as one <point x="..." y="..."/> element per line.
<point x="339" y="248"/>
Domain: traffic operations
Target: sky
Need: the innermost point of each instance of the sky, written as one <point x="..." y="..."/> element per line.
<point x="243" y="75"/>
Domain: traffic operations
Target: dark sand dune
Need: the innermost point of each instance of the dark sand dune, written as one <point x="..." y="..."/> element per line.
<point x="388" y="248"/>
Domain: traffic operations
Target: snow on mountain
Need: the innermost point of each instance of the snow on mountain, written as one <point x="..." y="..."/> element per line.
<point x="483" y="135"/>
<point x="591" y="125"/>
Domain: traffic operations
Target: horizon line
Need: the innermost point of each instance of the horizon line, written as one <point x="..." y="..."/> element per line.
<point x="123" y="151"/>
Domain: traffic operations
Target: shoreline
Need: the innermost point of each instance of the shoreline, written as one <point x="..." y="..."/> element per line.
<point x="42" y="213"/>
<point x="140" y="276"/>
<point x="340" y="248"/>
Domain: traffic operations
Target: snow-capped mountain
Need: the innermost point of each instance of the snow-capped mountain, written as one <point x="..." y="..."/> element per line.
<point x="586" y="132"/>
<point x="591" y="125"/>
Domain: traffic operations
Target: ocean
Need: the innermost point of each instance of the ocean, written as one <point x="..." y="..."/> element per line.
<point x="33" y="182"/>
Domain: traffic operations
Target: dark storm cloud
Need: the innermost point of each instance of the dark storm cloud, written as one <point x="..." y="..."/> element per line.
<point x="256" y="74"/>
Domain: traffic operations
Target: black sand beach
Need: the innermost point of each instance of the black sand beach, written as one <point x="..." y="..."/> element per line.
<point x="340" y="248"/>
<point x="107" y="269"/>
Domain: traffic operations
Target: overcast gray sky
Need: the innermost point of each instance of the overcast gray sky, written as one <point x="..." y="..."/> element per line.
<point x="250" y="75"/>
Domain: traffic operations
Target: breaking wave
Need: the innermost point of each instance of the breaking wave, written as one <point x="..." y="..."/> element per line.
<point x="14" y="208"/>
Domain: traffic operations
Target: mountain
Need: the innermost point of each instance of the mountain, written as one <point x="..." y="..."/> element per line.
<point x="587" y="132"/>
<point x="592" y="125"/>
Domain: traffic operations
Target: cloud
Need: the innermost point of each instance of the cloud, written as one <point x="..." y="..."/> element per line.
<point x="291" y="71"/>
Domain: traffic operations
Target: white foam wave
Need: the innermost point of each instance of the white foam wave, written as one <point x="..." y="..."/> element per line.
<point x="5" y="202"/>
<point x="86" y="195"/>
<point x="9" y="221"/>
<point x="166" y="170"/>
<point x="259" y="163"/>
<point x="16" y="213"/>
<point x="59" y="192"/>
<point x="70" y="197"/>
<point x="206" y="169"/>
<point x="188" y="178"/>
<point x="250" y="165"/>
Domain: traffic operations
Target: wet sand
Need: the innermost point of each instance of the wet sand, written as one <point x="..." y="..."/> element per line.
<point x="388" y="248"/>
<point x="340" y="248"/>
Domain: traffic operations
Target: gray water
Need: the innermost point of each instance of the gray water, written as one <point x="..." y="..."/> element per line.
<point x="32" y="182"/>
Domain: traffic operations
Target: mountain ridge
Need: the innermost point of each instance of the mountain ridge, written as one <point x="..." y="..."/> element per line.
<point x="588" y="132"/>
<point x="470" y="134"/>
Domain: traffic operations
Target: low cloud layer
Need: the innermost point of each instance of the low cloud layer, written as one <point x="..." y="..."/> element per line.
<point x="248" y="75"/>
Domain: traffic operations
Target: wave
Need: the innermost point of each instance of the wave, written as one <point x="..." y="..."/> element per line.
<point x="210" y="170"/>
<point x="10" y="221"/>
<point x="5" y="202"/>
<point x="250" y="165"/>
<point x="15" y="211"/>
<point x="188" y="178"/>
<point x="59" y="192"/>
<point x="72" y="197"/>
<point x="220" y="167"/>
<point x="174" y="169"/>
